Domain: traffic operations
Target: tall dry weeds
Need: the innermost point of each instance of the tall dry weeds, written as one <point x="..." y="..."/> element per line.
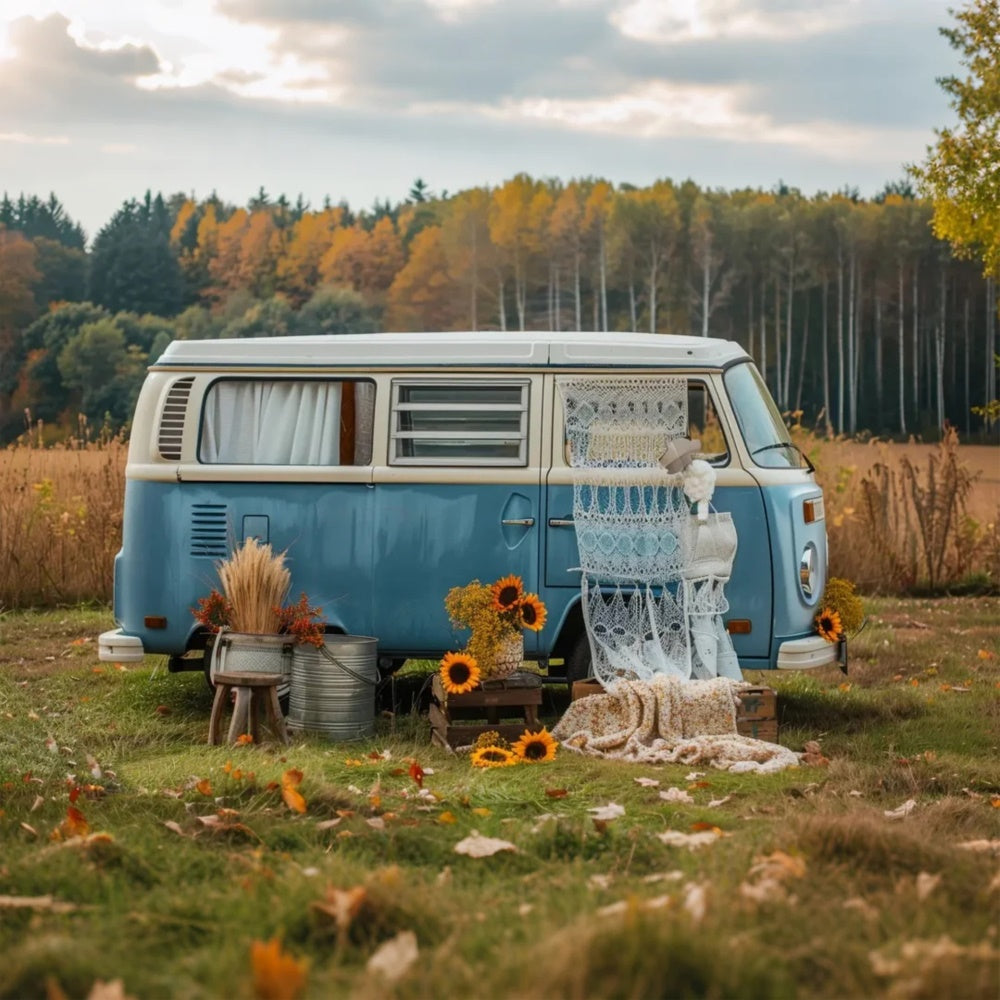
<point x="899" y="525"/>
<point x="255" y="581"/>
<point x="915" y="519"/>
<point x="60" y="519"/>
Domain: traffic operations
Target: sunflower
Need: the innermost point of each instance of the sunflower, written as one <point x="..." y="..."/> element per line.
<point x="507" y="593"/>
<point x="459" y="673"/>
<point x="829" y="626"/>
<point x="536" y="748"/>
<point x="493" y="757"/>
<point x="532" y="612"/>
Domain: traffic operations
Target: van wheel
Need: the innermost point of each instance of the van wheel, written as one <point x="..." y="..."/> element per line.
<point x="578" y="663"/>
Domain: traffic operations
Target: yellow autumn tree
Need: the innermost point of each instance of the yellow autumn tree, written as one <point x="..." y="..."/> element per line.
<point x="470" y="254"/>
<point x="224" y="263"/>
<point x="423" y="294"/>
<point x="567" y="235"/>
<point x="382" y="258"/>
<point x="343" y="261"/>
<point x="260" y="247"/>
<point x="596" y="213"/>
<point x="513" y="231"/>
<point x="297" y="273"/>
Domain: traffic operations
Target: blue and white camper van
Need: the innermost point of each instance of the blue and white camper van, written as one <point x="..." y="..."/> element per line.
<point x="392" y="467"/>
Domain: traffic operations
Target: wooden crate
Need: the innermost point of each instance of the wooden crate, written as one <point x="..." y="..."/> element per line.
<point x="507" y="707"/>
<point x="581" y="689"/>
<point x="757" y="714"/>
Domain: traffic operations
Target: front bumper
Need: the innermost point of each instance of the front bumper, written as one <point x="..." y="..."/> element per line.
<point x="810" y="652"/>
<point x="117" y="647"/>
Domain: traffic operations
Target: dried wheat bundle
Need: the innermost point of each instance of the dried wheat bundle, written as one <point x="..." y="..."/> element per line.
<point x="255" y="582"/>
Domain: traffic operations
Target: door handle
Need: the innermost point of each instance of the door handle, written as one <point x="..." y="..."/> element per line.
<point x="560" y="522"/>
<point x="527" y="522"/>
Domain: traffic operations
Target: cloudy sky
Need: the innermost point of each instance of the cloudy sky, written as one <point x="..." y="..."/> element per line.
<point x="102" y="99"/>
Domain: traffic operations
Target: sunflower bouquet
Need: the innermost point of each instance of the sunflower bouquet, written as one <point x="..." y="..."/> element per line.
<point x="842" y="612"/>
<point x="495" y="614"/>
<point x="492" y="750"/>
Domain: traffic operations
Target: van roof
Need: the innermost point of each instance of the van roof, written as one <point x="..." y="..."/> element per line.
<point x="489" y="348"/>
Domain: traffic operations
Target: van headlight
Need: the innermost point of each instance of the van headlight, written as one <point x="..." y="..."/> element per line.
<point x="807" y="570"/>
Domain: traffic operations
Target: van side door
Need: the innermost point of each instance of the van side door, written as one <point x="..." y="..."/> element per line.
<point x="459" y="499"/>
<point x="737" y="492"/>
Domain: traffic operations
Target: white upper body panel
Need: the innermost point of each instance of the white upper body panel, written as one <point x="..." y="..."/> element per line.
<point x="491" y="348"/>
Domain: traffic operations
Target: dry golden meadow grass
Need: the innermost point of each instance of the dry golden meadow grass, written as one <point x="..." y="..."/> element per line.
<point x="60" y="522"/>
<point x="134" y="853"/>
<point x="61" y="516"/>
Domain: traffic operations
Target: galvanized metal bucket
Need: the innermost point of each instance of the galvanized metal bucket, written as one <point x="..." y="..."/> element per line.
<point x="248" y="653"/>
<point x="333" y="688"/>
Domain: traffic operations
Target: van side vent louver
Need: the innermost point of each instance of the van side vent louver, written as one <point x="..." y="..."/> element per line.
<point x="209" y="530"/>
<point x="172" y="420"/>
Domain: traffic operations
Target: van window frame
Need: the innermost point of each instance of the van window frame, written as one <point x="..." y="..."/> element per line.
<point x="398" y="435"/>
<point x="274" y="378"/>
<point x="721" y="460"/>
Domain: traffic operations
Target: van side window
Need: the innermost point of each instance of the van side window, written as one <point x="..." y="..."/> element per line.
<point x="459" y="423"/>
<point x="704" y="426"/>
<point x="288" y="422"/>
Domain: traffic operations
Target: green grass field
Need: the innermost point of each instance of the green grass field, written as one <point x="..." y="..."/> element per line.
<point x="130" y="851"/>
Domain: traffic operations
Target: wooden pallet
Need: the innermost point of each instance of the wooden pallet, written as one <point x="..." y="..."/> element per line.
<point x="507" y="707"/>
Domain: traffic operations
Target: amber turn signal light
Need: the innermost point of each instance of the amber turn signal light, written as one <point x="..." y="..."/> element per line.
<point x="154" y="621"/>
<point x="739" y="626"/>
<point x="812" y="510"/>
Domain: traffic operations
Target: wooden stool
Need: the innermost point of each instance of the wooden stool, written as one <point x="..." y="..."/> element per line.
<point x="256" y="695"/>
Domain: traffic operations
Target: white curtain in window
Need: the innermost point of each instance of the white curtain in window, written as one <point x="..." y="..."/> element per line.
<point x="272" y="423"/>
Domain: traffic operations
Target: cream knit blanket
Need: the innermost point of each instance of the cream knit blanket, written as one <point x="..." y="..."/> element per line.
<point x="667" y="720"/>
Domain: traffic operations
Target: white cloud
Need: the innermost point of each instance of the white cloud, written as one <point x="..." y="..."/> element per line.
<point x="24" y="139"/>
<point x="671" y="21"/>
<point x="662" y="110"/>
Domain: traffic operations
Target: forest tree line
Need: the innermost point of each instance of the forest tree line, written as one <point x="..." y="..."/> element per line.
<point x="858" y="315"/>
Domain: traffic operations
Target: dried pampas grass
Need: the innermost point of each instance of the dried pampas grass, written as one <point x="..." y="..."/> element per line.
<point x="255" y="582"/>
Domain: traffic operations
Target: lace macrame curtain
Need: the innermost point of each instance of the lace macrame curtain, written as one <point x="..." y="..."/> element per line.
<point x="652" y="574"/>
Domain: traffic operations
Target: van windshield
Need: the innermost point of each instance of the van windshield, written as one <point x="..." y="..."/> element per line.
<point x="764" y="431"/>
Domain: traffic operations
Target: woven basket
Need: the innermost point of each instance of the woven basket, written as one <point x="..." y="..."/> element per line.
<point x="509" y="659"/>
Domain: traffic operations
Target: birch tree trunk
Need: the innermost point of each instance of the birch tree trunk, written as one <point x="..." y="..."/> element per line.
<point x="779" y="391"/>
<point x="851" y="334"/>
<point x="577" y="293"/>
<point x="840" y="339"/>
<point x="604" y="282"/>
<point x="802" y="357"/>
<point x="916" y="345"/>
<point x="788" y="329"/>
<point x="827" y="412"/>
<point x="990" y="384"/>
<point x="939" y="344"/>
<point x="902" y="353"/>
<point x="878" y="357"/>
<point x="763" y="330"/>
<point x="503" y="307"/>
<point x="967" y="408"/>
<point x="706" y="284"/>
<point x="653" y="268"/>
